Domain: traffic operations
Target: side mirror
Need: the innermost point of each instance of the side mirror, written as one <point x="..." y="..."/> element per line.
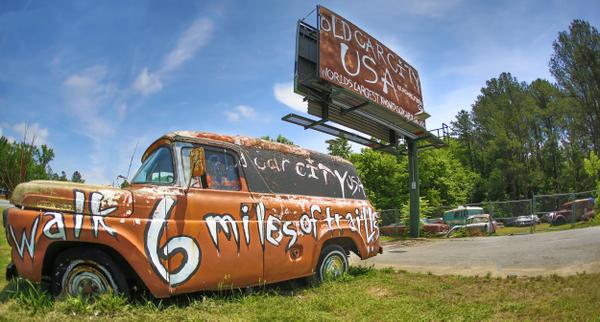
<point x="197" y="164"/>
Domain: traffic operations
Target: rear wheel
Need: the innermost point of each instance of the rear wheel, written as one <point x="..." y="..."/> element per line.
<point x="87" y="272"/>
<point x="559" y="221"/>
<point x="333" y="263"/>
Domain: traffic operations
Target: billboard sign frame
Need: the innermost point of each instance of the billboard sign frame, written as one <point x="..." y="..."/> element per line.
<point x="352" y="59"/>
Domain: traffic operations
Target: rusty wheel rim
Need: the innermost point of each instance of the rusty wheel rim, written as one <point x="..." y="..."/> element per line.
<point x="86" y="281"/>
<point x="333" y="267"/>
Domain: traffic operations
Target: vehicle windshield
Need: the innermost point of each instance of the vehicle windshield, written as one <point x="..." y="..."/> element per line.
<point x="477" y="220"/>
<point x="157" y="169"/>
<point x="475" y="212"/>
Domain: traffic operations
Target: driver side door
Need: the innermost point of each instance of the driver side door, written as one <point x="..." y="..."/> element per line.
<point x="221" y="213"/>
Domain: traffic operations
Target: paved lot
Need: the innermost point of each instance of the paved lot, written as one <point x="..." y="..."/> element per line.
<point x="564" y="253"/>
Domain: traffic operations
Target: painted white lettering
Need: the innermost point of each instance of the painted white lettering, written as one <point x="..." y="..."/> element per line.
<point x="26" y="242"/>
<point x="273" y="225"/>
<point x="178" y="244"/>
<point x="290" y="233"/>
<point x="55" y="227"/>
<point x="343" y="51"/>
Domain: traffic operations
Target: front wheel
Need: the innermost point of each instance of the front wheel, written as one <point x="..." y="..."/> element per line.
<point x="87" y="273"/>
<point x="333" y="263"/>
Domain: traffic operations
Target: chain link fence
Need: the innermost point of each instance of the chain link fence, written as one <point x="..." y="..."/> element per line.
<point x="395" y="222"/>
<point x="512" y="217"/>
<point x="557" y="210"/>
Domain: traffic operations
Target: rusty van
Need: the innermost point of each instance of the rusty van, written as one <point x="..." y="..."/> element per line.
<point x="203" y="212"/>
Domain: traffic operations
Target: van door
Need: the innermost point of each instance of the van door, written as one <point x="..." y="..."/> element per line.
<point x="290" y="236"/>
<point x="221" y="214"/>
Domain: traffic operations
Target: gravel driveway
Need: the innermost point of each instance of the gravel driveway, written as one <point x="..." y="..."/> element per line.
<point x="563" y="252"/>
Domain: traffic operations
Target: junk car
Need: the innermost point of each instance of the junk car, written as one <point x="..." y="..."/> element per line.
<point x="572" y="211"/>
<point x="458" y="216"/>
<point x="204" y="212"/>
<point x="476" y="225"/>
<point x="434" y="226"/>
<point x="524" y="221"/>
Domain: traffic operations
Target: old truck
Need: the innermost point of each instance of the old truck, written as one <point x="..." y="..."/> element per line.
<point x="203" y="212"/>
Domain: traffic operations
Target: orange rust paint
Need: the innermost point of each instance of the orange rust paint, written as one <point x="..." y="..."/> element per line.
<point x="179" y="239"/>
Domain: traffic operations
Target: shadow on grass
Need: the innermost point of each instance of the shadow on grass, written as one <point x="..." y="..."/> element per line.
<point x="34" y="298"/>
<point x="27" y="294"/>
<point x="286" y="288"/>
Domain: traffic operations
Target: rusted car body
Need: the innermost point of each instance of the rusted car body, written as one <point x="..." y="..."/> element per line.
<point x="476" y="225"/>
<point x="434" y="226"/>
<point x="393" y="230"/>
<point x="572" y="211"/>
<point x="262" y="212"/>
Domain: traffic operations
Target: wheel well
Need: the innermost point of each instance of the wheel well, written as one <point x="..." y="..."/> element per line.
<point x="346" y="242"/>
<point x="58" y="247"/>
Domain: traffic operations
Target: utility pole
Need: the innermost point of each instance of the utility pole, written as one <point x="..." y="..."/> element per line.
<point x="413" y="174"/>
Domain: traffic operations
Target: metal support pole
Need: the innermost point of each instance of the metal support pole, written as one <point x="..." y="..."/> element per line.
<point x="413" y="174"/>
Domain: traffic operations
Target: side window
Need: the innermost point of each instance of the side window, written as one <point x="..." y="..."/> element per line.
<point x="157" y="169"/>
<point x="221" y="171"/>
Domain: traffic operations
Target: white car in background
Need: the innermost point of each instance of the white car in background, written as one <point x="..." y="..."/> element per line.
<point x="476" y="225"/>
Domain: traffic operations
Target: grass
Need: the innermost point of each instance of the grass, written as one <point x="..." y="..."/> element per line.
<point x="363" y="294"/>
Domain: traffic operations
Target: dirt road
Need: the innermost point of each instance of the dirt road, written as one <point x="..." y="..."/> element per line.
<point x="564" y="253"/>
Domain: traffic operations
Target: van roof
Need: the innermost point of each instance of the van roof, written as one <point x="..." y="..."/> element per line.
<point x="203" y="137"/>
<point x="464" y="208"/>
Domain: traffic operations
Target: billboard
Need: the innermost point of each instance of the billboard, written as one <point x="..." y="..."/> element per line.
<point x="352" y="59"/>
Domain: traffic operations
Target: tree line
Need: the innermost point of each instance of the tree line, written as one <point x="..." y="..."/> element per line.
<point x="25" y="161"/>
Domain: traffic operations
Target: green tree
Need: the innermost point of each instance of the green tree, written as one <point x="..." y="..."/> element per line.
<point x="384" y="177"/>
<point x="445" y="181"/>
<point x="280" y="139"/>
<point x="575" y="64"/>
<point x="339" y="147"/>
<point x="426" y="210"/>
<point x="76" y="177"/>
<point x="21" y="161"/>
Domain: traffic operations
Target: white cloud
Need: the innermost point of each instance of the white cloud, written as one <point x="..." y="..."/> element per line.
<point x="147" y="83"/>
<point x="97" y="107"/>
<point x="241" y="112"/>
<point x="89" y="97"/>
<point x="31" y="133"/>
<point x="192" y="39"/>
<point x="284" y="93"/>
<point x="196" y="36"/>
<point x="0" y="131"/>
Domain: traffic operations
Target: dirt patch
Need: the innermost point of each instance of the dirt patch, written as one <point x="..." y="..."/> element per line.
<point x="378" y="292"/>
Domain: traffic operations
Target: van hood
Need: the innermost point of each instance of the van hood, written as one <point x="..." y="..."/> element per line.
<point x="60" y="196"/>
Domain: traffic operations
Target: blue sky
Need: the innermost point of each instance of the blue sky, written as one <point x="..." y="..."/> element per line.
<point x="93" y="79"/>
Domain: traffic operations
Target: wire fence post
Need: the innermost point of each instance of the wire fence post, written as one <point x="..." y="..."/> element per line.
<point x="533" y="213"/>
<point x="573" y="219"/>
